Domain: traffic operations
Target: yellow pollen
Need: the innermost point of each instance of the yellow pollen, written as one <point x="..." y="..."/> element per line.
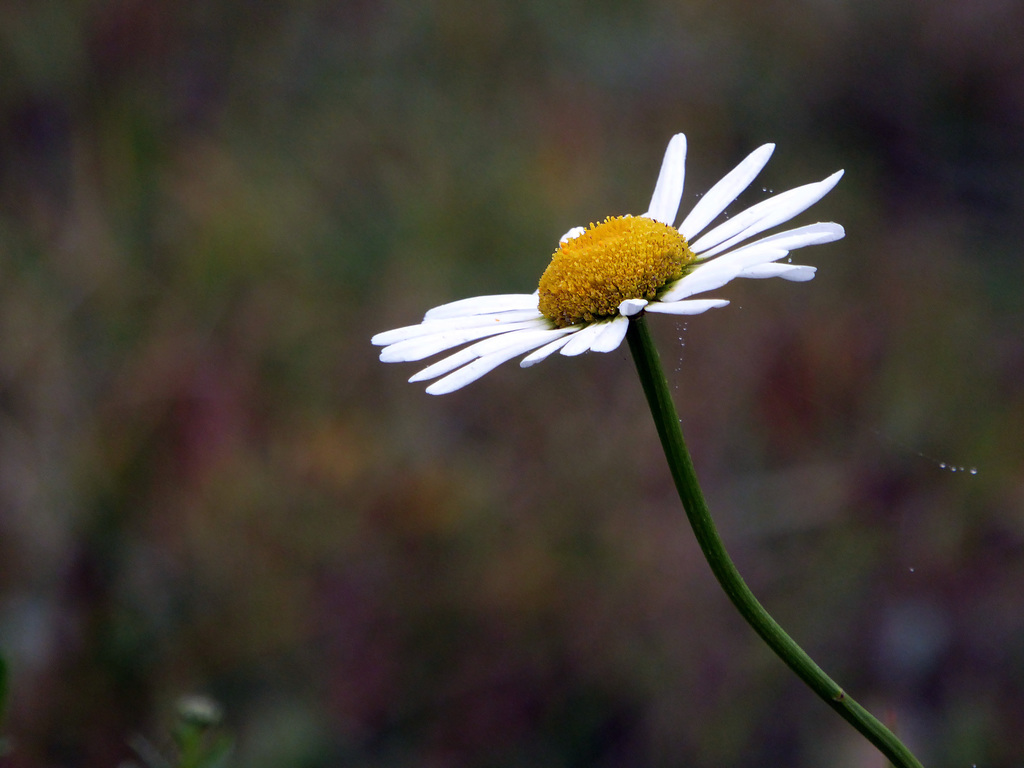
<point x="623" y="257"/>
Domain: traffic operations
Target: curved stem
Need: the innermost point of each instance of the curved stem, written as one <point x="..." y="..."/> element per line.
<point x="659" y="398"/>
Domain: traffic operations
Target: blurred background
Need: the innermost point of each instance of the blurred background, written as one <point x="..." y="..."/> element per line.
<point x="210" y="485"/>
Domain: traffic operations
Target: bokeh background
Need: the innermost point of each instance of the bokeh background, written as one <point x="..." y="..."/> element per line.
<point x="209" y="484"/>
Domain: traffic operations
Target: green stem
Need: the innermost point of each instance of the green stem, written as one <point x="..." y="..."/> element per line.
<point x="656" y="388"/>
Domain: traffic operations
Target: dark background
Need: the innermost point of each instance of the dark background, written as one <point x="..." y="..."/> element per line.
<point x="209" y="484"/>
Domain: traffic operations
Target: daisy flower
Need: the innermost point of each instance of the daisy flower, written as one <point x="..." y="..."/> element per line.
<point x="602" y="275"/>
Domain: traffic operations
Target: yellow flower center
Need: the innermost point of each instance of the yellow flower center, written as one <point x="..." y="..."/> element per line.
<point x="623" y="257"/>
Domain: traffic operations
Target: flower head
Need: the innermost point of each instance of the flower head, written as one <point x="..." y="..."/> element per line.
<point x="602" y="275"/>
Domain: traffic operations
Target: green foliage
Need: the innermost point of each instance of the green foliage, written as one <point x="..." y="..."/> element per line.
<point x="198" y="741"/>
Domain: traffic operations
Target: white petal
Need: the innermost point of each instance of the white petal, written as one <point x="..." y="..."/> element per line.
<point x="445" y="365"/>
<point x="418" y="348"/>
<point x="488" y="362"/>
<point x="431" y="327"/>
<point x="572" y="234"/>
<point x="725" y="191"/>
<point x="691" y="307"/>
<point x="758" y="252"/>
<point x="810" y="234"/>
<point x="764" y="215"/>
<point x="703" y="278"/>
<point x="631" y="307"/>
<point x="482" y="348"/>
<point x="668" y="191"/>
<point x="797" y="273"/>
<point x="716" y="273"/>
<point x="482" y="305"/>
<point x="774" y="247"/>
<point x="611" y="335"/>
<point x="548" y="349"/>
<point x="581" y="340"/>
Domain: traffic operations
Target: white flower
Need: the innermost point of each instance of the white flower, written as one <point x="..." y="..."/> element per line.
<point x="602" y="275"/>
